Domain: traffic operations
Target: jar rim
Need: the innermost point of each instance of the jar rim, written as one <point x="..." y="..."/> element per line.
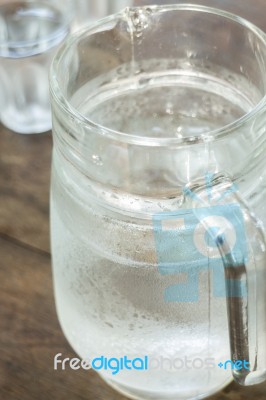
<point x="215" y="134"/>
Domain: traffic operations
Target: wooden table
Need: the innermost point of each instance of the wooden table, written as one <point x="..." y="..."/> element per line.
<point x="30" y="335"/>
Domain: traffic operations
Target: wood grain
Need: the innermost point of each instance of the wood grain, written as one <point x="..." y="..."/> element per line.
<point x="24" y="187"/>
<point x="30" y="334"/>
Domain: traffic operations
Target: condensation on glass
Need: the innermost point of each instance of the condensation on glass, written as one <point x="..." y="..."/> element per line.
<point x="157" y="204"/>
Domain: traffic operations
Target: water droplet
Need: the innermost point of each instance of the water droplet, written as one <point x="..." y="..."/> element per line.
<point x="97" y="160"/>
<point x="169" y="109"/>
<point x="191" y="54"/>
<point x="179" y="135"/>
<point x="140" y="20"/>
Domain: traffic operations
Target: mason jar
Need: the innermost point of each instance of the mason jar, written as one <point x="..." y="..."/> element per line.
<point x="158" y="199"/>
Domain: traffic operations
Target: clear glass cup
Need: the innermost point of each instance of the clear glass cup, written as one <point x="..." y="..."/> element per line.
<point x="30" y="33"/>
<point x="158" y="198"/>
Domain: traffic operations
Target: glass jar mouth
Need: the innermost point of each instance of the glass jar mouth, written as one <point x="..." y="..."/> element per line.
<point x="46" y="42"/>
<point x="215" y="134"/>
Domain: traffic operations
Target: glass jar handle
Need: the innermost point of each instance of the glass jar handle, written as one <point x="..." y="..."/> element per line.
<point x="244" y="265"/>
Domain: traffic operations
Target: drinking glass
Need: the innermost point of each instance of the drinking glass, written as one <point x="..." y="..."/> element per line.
<point x="30" y="33"/>
<point x="158" y="198"/>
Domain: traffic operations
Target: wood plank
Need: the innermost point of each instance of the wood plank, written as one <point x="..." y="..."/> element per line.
<point x="24" y="187"/>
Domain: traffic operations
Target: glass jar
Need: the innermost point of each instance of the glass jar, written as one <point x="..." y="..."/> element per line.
<point x="157" y="201"/>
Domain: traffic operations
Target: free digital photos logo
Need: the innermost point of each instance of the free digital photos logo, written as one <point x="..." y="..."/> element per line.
<point x="187" y="240"/>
